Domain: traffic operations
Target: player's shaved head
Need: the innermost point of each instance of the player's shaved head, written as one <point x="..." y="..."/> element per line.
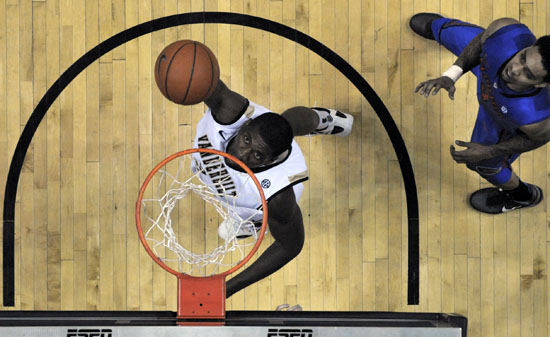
<point x="275" y="131"/>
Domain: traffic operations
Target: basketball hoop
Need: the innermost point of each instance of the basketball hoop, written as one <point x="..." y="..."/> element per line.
<point x="174" y="198"/>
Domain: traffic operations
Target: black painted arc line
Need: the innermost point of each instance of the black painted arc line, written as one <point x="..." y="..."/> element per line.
<point x="209" y="17"/>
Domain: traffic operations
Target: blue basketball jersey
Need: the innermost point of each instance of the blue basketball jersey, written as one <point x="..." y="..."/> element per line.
<point x="509" y="109"/>
<point x="501" y="110"/>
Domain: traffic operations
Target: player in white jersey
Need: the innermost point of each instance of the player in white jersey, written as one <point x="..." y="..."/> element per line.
<point x="288" y="170"/>
<point x="263" y="140"/>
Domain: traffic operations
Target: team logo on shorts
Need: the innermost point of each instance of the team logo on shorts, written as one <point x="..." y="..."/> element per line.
<point x="266" y="183"/>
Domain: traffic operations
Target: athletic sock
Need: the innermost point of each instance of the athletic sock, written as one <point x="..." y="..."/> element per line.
<point x="324" y="118"/>
<point x="521" y="193"/>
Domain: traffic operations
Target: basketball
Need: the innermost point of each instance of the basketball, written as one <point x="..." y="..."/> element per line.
<point x="186" y="72"/>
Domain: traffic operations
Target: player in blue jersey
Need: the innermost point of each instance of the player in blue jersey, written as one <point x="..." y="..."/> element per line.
<point x="513" y="73"/>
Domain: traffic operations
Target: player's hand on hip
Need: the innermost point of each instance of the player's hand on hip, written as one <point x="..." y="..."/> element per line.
<point x="473" y="153"/>
<point x="436" y="84"/>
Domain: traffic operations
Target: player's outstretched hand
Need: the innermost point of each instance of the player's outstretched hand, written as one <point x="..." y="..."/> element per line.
<point x="474" y="152"/>
<point x="436" y="84"/>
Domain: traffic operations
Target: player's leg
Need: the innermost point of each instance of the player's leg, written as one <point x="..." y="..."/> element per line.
<point x="507" y="195"/>
<point x="509" y="192"/>
<point x="303" y="120"/>
<point x="307" y="121"/>
<point x="227" y="106"/>
<point x="521" y="193"/>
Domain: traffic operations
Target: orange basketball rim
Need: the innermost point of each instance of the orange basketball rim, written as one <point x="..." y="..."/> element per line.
<point x="201" y="299"/>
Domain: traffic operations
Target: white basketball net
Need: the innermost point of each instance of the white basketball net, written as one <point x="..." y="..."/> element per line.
<point x="161" y="228"/>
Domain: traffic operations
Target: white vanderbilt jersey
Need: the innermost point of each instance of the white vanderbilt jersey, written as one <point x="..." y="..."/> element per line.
<point x="290" y="172"/>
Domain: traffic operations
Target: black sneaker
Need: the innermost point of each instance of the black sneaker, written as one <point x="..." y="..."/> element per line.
<point x="421" y="24"/>
<point x="494" y="200"/>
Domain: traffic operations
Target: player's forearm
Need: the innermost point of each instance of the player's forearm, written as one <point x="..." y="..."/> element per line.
<point x="470" y="56"/>
<point x="226" y="105"/>
<point x="215" y="100"/>
<point x="518" y="144"/>
<point x="273" y="259"/>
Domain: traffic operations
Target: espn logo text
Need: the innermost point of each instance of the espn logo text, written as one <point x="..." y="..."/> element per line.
<point x="289" y="333"/>
<point x="90" y="333"/>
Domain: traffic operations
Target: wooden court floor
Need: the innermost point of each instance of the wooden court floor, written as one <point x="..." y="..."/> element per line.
<point x="76" y="243"/>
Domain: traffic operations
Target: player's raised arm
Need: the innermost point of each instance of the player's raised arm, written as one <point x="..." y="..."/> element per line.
<point x="468" y="59"/>
<point x="471" y="55"/>
<point x="227" y="106"/>
<point x="496" y="25"/>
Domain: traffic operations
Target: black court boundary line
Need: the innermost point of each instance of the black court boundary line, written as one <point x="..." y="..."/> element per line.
<point x="210" y="17"/>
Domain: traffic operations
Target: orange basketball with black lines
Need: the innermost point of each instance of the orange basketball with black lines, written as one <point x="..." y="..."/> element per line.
<point x="187" y="72"/>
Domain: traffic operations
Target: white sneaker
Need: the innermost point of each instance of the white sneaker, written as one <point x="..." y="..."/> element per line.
<point x="286" y="307"/>
<point x="231" y="228"/>
<point x="340" y="123"/>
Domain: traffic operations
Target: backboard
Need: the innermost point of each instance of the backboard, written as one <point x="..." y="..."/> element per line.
<point x="237" y="323"/>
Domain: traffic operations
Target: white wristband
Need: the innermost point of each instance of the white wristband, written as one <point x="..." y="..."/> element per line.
<point x="454" y="73"/>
